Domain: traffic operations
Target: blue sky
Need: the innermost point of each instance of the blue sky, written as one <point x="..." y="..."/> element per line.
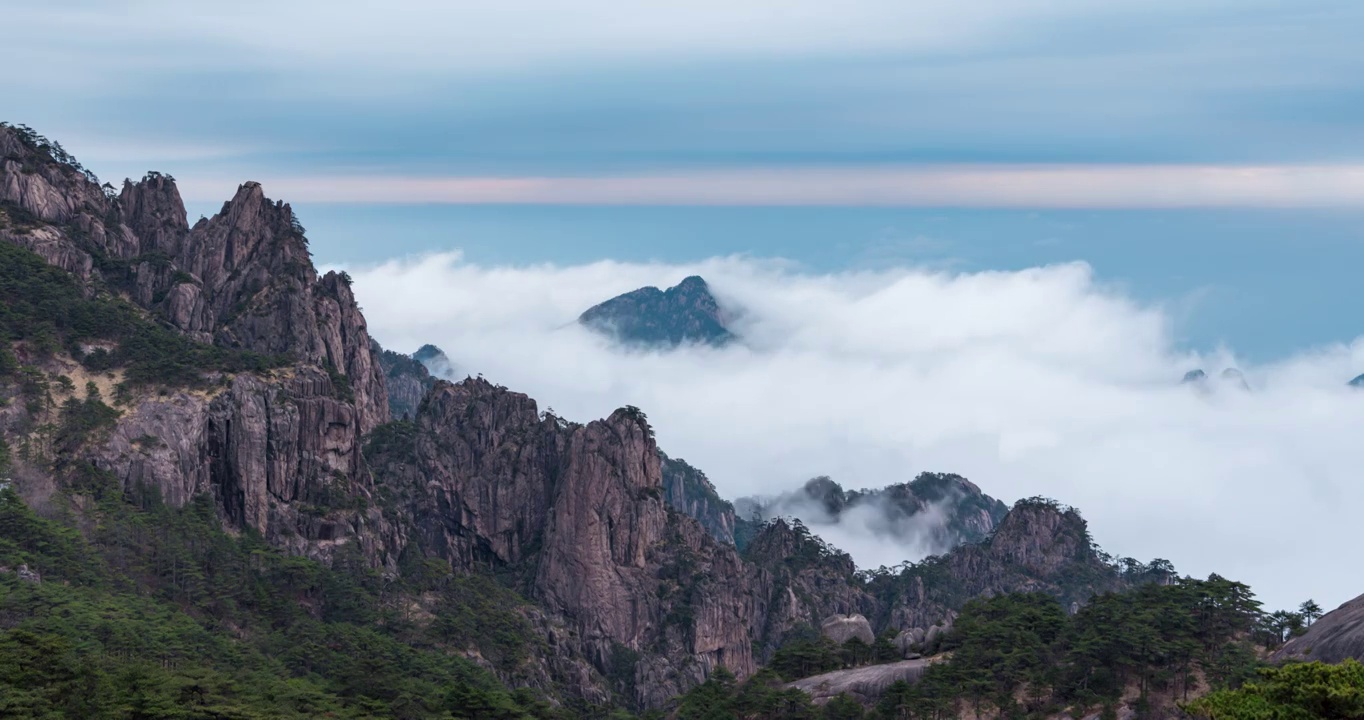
<point x="1171" y="127"/>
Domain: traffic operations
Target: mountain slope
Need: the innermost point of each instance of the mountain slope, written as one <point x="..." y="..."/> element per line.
<point x="1336" y="636"/>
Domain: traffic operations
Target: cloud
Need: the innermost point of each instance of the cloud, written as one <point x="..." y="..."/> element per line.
<point x="477" y="89"/>
<point x="872" y="528"/>
<point x="1043" y="381"/>
<point x="1028" y="186"/>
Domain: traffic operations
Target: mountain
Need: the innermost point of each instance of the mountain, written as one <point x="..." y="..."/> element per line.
<point x="1195" y="375"/>
<point x="935" y="511"/>
<point x="410" y="377"/>
<point x="1336" y="636"/>
<point x="1357" y="382"/>
<point x="436" y="362"/>
<point x="649" y="317"/>
<point x="1230" y="377"/>
<point x="224" y="499"/>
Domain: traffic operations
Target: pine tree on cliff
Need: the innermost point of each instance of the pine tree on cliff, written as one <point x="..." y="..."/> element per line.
<point x="1309" y="611"/>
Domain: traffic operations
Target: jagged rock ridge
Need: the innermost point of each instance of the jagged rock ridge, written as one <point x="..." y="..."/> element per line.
<point x="649" y="317"/>
<point x="280" y="451"/>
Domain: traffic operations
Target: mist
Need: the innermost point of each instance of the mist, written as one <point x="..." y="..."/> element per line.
<point x="1044" y="381"/>
<point x="869" y="529"/>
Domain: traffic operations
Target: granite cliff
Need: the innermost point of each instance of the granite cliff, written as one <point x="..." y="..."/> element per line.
<point x="1334" y="637"/>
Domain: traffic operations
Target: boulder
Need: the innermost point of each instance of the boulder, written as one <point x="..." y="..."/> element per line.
<point x="28" y="575"/>
<point x="842" y="628"/>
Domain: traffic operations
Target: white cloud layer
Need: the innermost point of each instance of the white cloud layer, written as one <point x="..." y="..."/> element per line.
<point x="991" y="186"/>
<point x="1039" y="382"/>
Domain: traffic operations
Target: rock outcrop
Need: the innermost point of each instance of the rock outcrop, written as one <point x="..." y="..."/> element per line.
<point x="864" y="684"/>
<point x="691" y="493"/>
<point x="842" y="628"/>
<point x="241" y="279"/>
<point x="281" y="453"/>
<point x="1336" y="636"/>
<point x="578" y="512"/>
<point x="406" y="379"/>
<point x="1039" y="546"/>
<point x="649" y="317"/>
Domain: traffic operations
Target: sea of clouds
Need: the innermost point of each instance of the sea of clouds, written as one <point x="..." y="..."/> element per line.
<point x="1037" y="382"/>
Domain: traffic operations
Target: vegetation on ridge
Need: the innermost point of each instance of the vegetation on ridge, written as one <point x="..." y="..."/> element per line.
<point x="160" y="614"/>
<point x="47" y="309"/>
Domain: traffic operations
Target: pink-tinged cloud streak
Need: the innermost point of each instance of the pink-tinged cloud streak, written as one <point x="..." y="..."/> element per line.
<point x="1031" y="186"/>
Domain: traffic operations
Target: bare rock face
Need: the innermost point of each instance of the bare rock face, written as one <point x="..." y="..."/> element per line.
<point x="407" y="380"/>
<point x="909" y="642"/>
<point x="242" y="279"/>
<point x="864" y="684"/>
<point x="578" y="512"/>
<point x="805" y="580"/>
<point x="1334" y="637"/>
<point x="280" y="455"/>
<point x="1038" y="547"/>
<point x="842" y="628"/>
<point x="691" y="493"/>
<point x="31" y="178"/>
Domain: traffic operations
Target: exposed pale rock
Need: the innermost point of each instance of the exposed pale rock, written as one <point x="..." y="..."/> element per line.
<point x="842" y="628"/>
<point x="864" y="684"/>
<point x="1336" y="636"/>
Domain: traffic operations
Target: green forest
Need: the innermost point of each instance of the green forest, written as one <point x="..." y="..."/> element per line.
<point x="1022" y="656"/>
<point x="161" y="614"/>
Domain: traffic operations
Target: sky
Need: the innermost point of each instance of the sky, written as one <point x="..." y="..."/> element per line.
<point x="1201" y="161"/>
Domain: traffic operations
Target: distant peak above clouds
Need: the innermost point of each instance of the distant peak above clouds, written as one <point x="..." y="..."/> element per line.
<point x="654" y="318"/>
<point x="1229" y="376"/>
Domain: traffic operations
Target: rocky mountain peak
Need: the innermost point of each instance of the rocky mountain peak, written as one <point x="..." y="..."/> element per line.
<point x="153" y="210"/>
<point x="1195" y="375"/>
<point x="1041" y="537"/>
<point x="1357" y="382"/>
<point x="1228" y="377"/>
<point x="649" y="317"/>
